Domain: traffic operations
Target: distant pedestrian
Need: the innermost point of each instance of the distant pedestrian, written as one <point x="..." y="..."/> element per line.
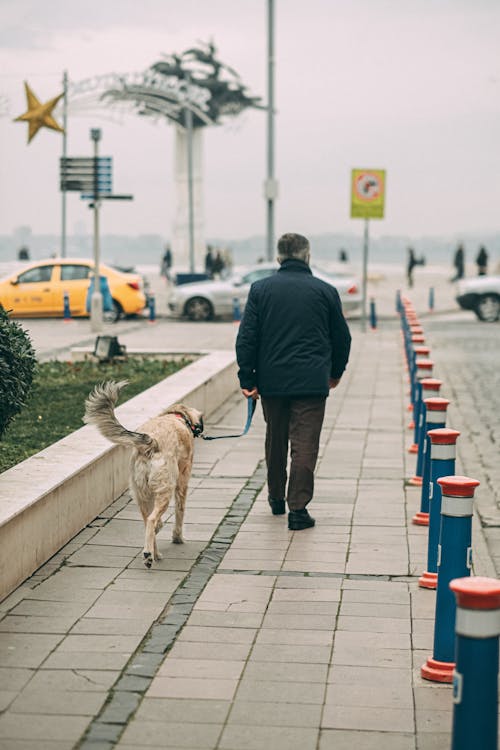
<point x="166" y="263"/>
<point x="218" y="264"/>
<point x="23" y="253"/>
<point x="292" y="348"/>
<point x="343" y="257"/>
<point x="412" y="262"/>
<point x="482" y="261"/>
<point x="209" y="262"/>
<point x="459" y="263"/>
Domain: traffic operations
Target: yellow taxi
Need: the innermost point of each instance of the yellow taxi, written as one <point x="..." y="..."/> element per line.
<point x="38" y="290"/>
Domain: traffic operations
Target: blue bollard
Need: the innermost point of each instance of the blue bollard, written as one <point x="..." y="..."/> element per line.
<point x="433" y="412"/>
<point x="475" y="680"/>
<point x="454" y="561"/>
<point x="67" y="311"/>
<point x="431" y="299"/>
<point x="443" y="450"/>
<point x="399" y="304"/>
<point x="423" y="370"/>
<point x="373" y="315"/>
<point x="236" y="310"/>
<point x="152" y="308"/>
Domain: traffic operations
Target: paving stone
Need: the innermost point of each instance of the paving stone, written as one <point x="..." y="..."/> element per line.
<point x="206" y="634"/>
<point x="15" y="678"/>
<point x="26" y="650"/>
<point x="86" y="660"/>
<point x="219" y="651"/>
<point x="340" y="739"/>
<point x="68" y="703"/>
<point x="262" y="738"/>
<point x="281" y="692"/>
<point x="34" y="624"/>
<point x="183" y="710"/>
<point x="73" y="680"/>
<point x="368" y="718"/>
<point x="22" y="727"/>
<point x="290" y="637"/>
<point x="397" y="695"/>
<point x="270" y="713"/>
<point x="285" y="672"/>
<point x="115" y="627"/>
<point x="203" y="668"/>
<point x="175" y="735"/>
<point x="179" y="687"/>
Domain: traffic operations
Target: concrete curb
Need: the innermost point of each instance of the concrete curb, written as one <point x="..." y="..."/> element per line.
<point x="49" y="498"/>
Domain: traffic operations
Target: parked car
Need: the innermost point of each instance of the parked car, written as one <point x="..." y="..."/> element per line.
<point x="481" y="295"/>
<point x="38" y="289"/>
<point x="205" y="300"/>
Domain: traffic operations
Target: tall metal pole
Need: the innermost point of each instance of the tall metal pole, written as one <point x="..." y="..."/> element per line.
<point x="365" y="275"/>
<point x="96" y="299"/>
<point x="64" y="153"/>
<point x="271" y="184"/>
<point x="188" y="123"/>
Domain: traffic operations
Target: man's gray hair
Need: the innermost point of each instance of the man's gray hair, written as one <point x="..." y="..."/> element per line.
<point x="293" y="246"/>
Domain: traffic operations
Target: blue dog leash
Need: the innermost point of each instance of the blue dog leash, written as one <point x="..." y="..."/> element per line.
<point x="251" y="404"/>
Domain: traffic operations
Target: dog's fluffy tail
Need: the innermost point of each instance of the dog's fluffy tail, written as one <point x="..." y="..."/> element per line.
<point x="100" y="411"/>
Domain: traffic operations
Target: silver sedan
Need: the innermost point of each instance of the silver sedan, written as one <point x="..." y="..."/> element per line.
<point x="204" y="300"/>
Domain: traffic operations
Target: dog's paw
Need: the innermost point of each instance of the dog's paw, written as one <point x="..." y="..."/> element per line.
<point x="177" y="539"/>
<point x="148" y="559"/>
<point x="158" y="556"/>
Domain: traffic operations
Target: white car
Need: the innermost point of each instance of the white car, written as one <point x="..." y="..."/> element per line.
<point x="480" y="294"/>
<point x="204" y="300"/>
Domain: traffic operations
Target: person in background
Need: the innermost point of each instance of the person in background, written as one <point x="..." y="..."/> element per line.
<point x="209" y="262"/>
<point x="292" y="348"/>
<point x="459" y="263"/>
<point x="166" y="263"/>
<point x="482" y="261"/>
<point x="218" y="265"/>
<point x="343" y="257"/>
<point x="412" y="262"/>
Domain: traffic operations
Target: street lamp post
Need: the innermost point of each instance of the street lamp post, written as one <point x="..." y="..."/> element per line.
<point x="96" y="299"/>
<point x="188" y="124"/>
<point x="271" y="185"/>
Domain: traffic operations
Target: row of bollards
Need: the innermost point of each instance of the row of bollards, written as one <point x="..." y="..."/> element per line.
<point x="467" y="614"/>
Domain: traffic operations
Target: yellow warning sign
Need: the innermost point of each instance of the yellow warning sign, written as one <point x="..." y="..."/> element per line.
<point x="367" y="193"/>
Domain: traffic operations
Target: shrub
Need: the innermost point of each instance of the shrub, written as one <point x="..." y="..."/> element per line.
<point x="17" y="368"/>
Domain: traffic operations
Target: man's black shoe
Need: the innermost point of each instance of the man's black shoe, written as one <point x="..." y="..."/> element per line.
<point x="277" y="506"/>
<point x="300" y="519"/>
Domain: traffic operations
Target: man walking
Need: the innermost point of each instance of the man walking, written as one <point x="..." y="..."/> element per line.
<point x="292" y="348"/>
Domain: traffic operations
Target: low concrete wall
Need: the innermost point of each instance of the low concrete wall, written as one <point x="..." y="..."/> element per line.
<point x="47" y="499"/>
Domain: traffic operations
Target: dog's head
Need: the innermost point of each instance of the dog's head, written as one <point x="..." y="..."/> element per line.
<point x="192" y="417"/>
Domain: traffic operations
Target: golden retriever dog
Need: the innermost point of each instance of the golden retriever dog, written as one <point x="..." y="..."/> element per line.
<point x="161" y="461"/>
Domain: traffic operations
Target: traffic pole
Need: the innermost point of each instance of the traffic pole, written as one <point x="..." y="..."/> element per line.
<point x="236" y="310"/>
<point x="454" y="561"/>
<point x="423" y="370"/>
<point x="373" y="315"/>
<point x="67" y="310"/>
<point x="475" y="680"/>
<point x="152" y="307"/>
<point x="434" y="410"/>
<point x="443" y="450"/>
<point x="429" y="387"/>
<point x="433" y="415"/>
<point x="431" y="299"/>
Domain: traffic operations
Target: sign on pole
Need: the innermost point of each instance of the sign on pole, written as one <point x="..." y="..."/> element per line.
<point x="367" y="193"/>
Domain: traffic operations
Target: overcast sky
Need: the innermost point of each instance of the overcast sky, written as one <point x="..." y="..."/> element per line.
<point x="412" y="86"/>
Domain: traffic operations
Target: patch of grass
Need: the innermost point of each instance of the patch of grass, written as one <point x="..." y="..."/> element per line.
<point x="56" y="404"/>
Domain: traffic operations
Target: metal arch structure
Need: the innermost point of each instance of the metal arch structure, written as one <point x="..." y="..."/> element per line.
<point x="192" y="90"/>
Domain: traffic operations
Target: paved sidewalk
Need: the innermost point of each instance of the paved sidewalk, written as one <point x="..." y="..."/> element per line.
<point x="248" y="637"/>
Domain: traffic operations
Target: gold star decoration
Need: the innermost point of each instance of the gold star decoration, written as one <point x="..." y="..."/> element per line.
<point x="39" y="115"/>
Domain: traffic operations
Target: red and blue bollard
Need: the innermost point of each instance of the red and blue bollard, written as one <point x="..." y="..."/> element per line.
<point x="152" y="308"/>
<point x="434" y="416"/>
<point x="423" y="370"/>
<point x="454" y="561"/>
<point x="373" y="315"/>
<point x="236" y="310"/>
<point x="429" y="387"/>
<point x="431" y="299"/>
<point x="66" y="308"/>
<point x="443" y="450"/>
<point x="475" y="680"/>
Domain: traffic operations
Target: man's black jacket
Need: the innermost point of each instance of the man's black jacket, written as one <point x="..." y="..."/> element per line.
<point x="293" y="336"/>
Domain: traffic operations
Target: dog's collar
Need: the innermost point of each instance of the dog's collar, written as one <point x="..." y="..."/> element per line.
<point x="195" y="429"/>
